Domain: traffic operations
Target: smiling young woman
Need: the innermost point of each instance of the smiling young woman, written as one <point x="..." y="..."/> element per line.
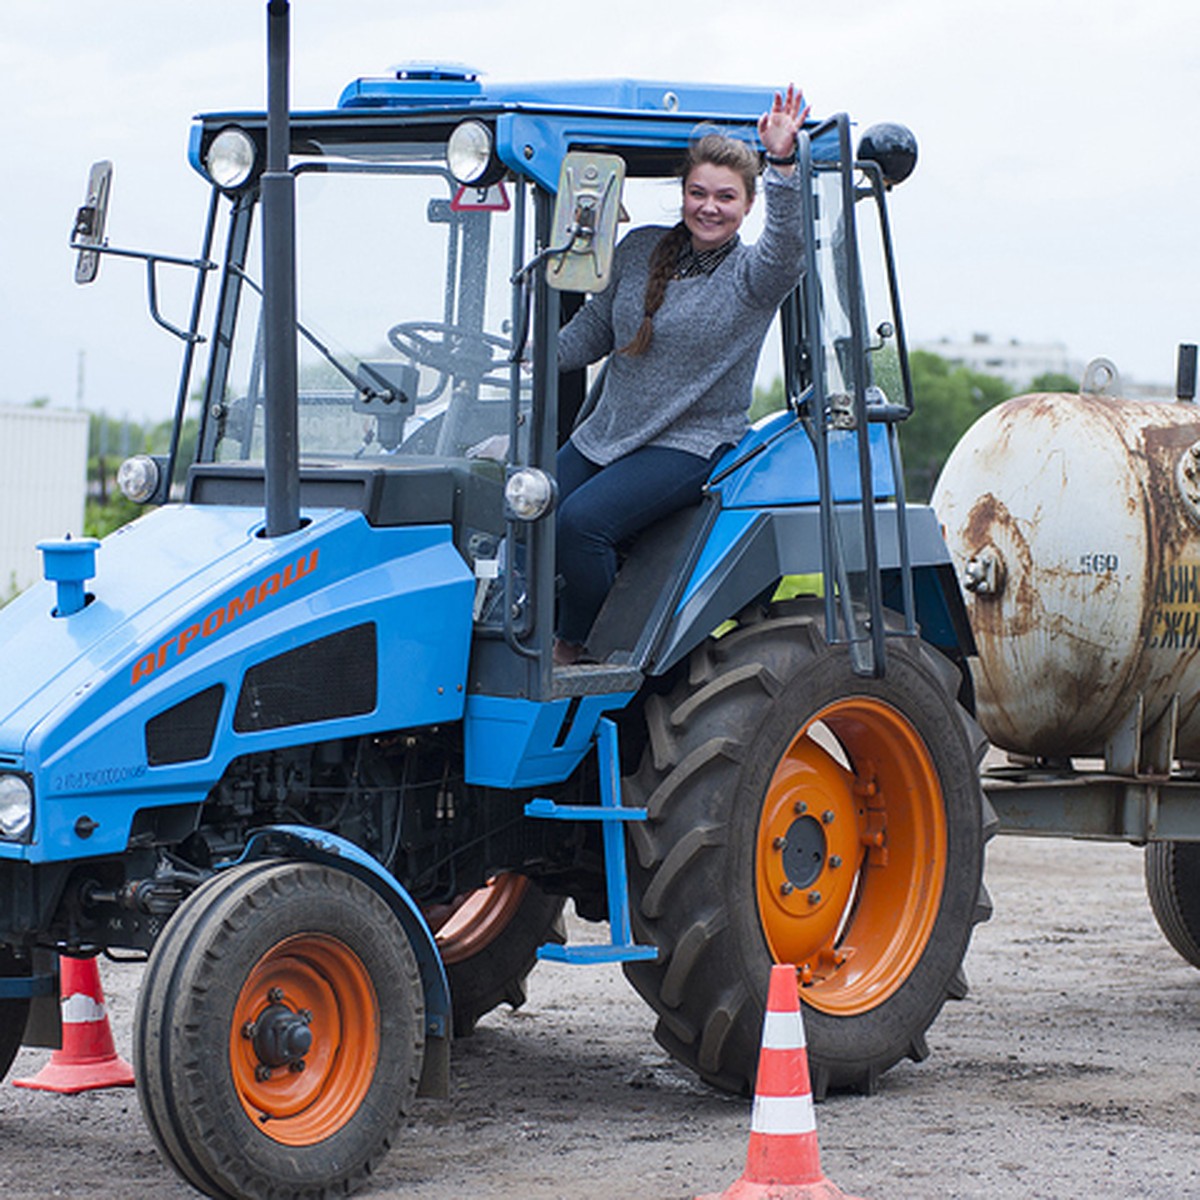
<point x="683" y="321"/>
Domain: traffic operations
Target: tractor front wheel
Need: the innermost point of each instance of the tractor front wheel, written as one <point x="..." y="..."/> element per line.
<point x="798" y="813"/>
<point x="13" y="1013"/>
<point x="279" y="1032"/>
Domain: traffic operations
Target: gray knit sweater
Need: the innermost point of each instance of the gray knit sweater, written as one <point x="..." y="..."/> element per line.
<point x="691" y="389"/>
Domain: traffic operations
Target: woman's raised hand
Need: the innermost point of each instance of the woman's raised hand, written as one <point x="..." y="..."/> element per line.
<point x="778" y="126"/>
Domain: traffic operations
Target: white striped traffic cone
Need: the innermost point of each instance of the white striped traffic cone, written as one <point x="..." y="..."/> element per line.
<point x="88" y="1059"/>
<point x="783" y="1161"/>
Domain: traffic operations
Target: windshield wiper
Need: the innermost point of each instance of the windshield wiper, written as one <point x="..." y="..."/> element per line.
<point x="368" y="381"/>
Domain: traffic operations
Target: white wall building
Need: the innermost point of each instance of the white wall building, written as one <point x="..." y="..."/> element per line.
<point x="1018" y="363"/>
<point x="43" y="479"/>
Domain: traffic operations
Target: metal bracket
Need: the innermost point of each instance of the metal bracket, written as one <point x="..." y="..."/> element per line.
<point x="1138" y="750"/>
<point x="25" y="987"/>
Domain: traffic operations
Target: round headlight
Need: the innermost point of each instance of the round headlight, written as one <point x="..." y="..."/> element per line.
<point x="529" y="494"/>
<point x="230" y="158"/>
<point x="16" y="806"/>
<point x="469" y="152"/>
<point x="138" y="477"/>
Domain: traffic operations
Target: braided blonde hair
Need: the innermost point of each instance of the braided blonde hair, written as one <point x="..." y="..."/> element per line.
<point x="718" y="150"/>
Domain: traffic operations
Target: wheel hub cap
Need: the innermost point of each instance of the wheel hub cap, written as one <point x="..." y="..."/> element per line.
<point x="282" y="1036"/>
<point x="803" y="852"/>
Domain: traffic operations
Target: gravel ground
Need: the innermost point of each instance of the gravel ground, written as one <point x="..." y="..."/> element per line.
<point x="1070" y="1071"/>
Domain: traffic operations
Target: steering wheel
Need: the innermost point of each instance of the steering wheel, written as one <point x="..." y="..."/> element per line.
<point x="451" y="351"/>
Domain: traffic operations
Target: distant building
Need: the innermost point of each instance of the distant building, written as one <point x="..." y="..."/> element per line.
<point x="1017" y="363"/>
<point x="43" y="475"/>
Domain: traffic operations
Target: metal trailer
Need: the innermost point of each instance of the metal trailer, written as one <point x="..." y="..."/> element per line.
<point x="1074" y="521"/>
<point x="299" y="739"/>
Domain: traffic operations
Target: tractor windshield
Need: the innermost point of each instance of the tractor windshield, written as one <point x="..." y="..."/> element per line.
<point x="405" y="317"/>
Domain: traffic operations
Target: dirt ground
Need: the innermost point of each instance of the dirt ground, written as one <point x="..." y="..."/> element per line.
<point x="1070" y="1071"/>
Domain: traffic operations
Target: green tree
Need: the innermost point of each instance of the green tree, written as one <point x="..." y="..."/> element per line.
<point x="110" y="442"/>
<point x="101" y="518"/>
<point x="1054" y="381"/>
<point x="767" y="400"/>
<point x="947" y="400"/>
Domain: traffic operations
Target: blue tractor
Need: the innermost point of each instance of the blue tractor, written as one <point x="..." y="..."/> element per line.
<point x="295" y="735"/>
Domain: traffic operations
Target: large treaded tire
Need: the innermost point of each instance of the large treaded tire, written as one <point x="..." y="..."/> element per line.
<point x="307" y="943"/>
<point x="13" y="1013"/>
<point x="762" y="846"/>
<point x="1172" y="871"/>
<point x="489" y="944"/>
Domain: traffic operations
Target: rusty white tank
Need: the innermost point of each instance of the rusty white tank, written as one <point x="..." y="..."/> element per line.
<point x="1074" y="522"/>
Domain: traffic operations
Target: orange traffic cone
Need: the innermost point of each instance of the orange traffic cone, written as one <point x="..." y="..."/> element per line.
<point x="783" y="1161"/>
<point x="88" y="1058"/>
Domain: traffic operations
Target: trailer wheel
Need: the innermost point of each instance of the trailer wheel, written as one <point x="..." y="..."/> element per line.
<point x="1172" y="871"/>
<point x="798" y="813"/>
<point x="13" y="1013"/>
<point x="489" y="940"/>
<point x="279" y="1032"/>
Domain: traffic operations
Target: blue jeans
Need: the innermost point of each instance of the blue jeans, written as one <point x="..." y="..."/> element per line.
<point x="601" y="507"/>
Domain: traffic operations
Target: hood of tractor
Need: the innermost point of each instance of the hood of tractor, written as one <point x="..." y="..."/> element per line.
<point x="202" y="640"/>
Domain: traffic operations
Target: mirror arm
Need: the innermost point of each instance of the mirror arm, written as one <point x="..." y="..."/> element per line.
<point x="190" y="336"/>
<point x="522" y="279"/>
<point x="199" y="264"/>
<point x="152" y="261"/>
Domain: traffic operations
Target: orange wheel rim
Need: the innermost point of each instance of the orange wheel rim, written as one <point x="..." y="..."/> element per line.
<point x="850" y="855"/>
<point x="317" y="982"/>
<point x="477" y="918"/>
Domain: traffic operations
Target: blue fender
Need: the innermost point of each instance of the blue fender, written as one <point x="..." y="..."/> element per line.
<point x="318" y="845"/>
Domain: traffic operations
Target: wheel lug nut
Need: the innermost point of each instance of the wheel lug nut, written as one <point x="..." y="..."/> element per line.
<point x="827" y="816"/>
<point x="835" y="861"/>
<point x="814" y="897"/>
<point x="801" y="807"/>
<point x="275" y="995"/>
<point x="305" y="1015"/>
<point x="787" y="887"/>
<point x="779" y="843"/>
<point x="262" y="1074"/>
<point x="296" y="1066"/>
<point x="249" y="1030"/>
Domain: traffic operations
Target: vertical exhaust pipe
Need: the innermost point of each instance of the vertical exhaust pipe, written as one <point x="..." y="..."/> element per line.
<point x="279" y="288"/>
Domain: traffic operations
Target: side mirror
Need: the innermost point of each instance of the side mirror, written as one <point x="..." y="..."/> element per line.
<point x="585" y="221"/>
<point x="90" y="221"/>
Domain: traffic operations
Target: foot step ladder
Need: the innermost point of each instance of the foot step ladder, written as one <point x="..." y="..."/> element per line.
<point x="612" y="817"/>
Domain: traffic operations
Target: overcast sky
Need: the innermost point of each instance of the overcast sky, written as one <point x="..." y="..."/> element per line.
<point x="1055" y="199"/>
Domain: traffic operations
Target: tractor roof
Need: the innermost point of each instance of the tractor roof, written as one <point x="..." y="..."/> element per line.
<point x="647" y="122"/>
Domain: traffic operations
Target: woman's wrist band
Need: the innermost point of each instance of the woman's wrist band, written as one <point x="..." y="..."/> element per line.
<point x="786" y="161"/>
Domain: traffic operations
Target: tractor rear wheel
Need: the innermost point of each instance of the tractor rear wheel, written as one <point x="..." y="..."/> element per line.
<point x="279" y="1032"/>
<point x="1172" y="871"/>
<point x="489" y="940"/>
<point x="13" y="1013"/>
<point x="798" y="813"/>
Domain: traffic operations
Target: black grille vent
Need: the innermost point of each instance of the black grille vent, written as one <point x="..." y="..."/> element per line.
<point x="185" y="732"/>
<point x="328" y="679"/>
